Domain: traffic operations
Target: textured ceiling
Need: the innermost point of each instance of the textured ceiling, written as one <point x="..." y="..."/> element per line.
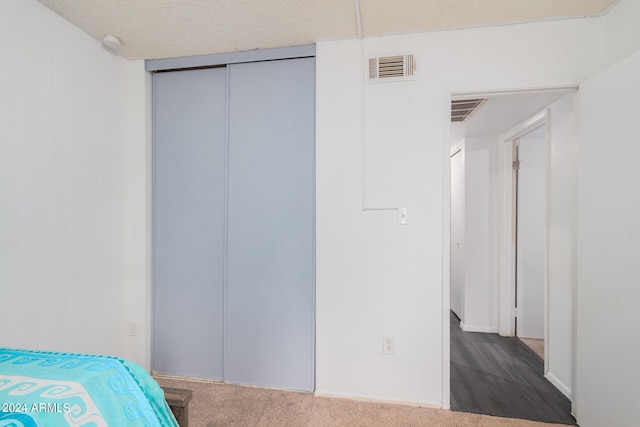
<point x="152" y="29"/>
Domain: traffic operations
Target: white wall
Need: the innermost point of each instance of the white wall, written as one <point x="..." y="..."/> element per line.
<point x="139" y="178"/>
<point x="608" y="342"/>
<point x="622" y="31"/>
<point x="561" y="241"/>
<point x="481" y="235"/>
<point x="370" y="271"/>
<point x="374" y="277"/>
<point x="67" y="130"/>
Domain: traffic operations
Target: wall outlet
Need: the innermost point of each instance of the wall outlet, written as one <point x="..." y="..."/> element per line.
<point x="388" y="345"/>
<point x="133" y="328"/>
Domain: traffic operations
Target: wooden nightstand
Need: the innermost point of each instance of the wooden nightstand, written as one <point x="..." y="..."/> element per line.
<point x="178" y="400"/>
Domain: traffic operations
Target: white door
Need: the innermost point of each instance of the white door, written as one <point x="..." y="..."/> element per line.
<point x="457" y="234"/>
<point x="531" y="231"/>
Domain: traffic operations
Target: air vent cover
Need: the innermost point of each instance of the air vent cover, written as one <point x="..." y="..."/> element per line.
<point x="389" y="68"/>
<point x="462" y="110"/>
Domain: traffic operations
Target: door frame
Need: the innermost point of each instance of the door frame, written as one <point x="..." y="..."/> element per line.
<point x="457" y="150"/>
<point x="507" y="246"/>
<point x="463" y="93"/>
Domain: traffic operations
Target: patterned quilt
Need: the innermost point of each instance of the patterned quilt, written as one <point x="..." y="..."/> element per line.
<point x="46" y="389"/>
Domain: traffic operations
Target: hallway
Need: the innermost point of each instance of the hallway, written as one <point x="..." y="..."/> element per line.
<point x="501" y="376"/>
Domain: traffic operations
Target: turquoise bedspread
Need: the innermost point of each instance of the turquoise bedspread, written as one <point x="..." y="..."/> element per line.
<point x="47" y="389"/>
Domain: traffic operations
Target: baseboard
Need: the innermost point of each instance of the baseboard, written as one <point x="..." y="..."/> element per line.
<point x="478" y="328"/>
<point x="376" y="400"/>
<point x="558" y="384"/>
<point x="179" y="378"/>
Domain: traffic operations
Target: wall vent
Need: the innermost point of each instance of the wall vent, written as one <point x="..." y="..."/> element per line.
<point x="462" y="110"/>
<point x="391" y="68"/>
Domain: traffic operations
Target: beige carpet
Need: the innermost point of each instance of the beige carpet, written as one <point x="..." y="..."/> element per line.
<point x="228" y="405"/>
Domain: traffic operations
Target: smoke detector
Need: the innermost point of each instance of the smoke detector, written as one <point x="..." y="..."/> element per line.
<point x="112" y="42"/>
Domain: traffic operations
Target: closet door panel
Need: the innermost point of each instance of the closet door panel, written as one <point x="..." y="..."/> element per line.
<point x="188" y="230"/>
<point x="269" y="316"/>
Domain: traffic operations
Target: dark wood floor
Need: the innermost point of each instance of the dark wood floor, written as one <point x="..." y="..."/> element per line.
<point x="501" y="376"/>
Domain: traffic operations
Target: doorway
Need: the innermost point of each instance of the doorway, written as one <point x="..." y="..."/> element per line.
<point x="487" y="308"/>
<point x="529" y="169"/>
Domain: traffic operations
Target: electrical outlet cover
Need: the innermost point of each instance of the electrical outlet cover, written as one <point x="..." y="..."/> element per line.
<point x="388" y="345"/>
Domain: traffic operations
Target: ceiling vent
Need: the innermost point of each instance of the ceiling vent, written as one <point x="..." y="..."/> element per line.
<point x="462" y="110"/>
<point x="391" y="68"/>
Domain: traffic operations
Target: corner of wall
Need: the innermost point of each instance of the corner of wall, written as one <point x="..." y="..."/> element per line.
<point x="139" y="164"/>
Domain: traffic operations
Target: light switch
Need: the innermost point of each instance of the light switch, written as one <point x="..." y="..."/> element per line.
<point x="403" y="216"/>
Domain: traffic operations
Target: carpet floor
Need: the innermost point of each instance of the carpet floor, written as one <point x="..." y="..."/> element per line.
<point x="215" y="404"/>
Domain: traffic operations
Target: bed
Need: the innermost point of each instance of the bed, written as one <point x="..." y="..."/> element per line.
<point x="49" y="389"/>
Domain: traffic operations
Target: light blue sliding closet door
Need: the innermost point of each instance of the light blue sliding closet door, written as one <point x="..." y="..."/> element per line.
<point x="188" y="224"/>
<point x="269" y="315"/>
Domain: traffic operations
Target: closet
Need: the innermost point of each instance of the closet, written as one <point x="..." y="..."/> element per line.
<point x="233" y="223"/>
